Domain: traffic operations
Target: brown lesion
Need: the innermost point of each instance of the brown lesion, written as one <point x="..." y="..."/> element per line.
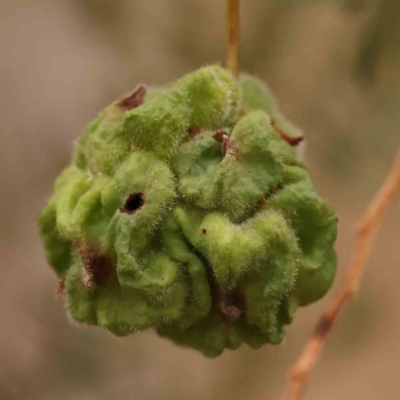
<point x="98" y="266"/>
<point x="231" y="304"/>
<point x="226" y="145"/>
<point x="276" y="189"/>
<point x="261" y="202"/>
<point x="61" y="287"/>
<point x="228" y="304"/>
<point x="194" y="130"/>
<point x="134" y="100"/>
<point x="293" y="141"/>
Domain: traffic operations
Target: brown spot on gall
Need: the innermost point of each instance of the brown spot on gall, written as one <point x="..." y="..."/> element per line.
<point x="219" y="136"/>
<point x="273" y="191"/>
<point x="98" y="266"/>
<point x="136" y="99"/>
<point x="232" y="304"/>
<point x="61" y="286"/>
<point x="261" y="202"/>
<point x="194" y="130"/>
<point x="293" y="141"/>
<point x="223" y="138"/>
<point x="277" y="189"/>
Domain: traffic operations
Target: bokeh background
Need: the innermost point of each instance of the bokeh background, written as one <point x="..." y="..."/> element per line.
<point x="334" y="66"/>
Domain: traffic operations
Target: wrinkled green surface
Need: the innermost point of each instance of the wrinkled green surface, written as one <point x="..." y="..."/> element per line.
<point x="227" y="240"/>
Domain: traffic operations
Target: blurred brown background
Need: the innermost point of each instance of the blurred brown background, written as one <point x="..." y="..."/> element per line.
<point x="334" y="65"/>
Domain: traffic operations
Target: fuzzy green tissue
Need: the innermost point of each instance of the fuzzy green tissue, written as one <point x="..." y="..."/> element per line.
<point x="186" y="210"/>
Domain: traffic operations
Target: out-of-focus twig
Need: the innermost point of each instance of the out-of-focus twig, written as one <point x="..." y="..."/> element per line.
<point x="232" y="35"/>
<point x="367" y="230"/>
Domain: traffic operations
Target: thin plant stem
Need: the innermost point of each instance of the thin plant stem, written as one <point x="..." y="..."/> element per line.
<point x="367" y="230"/>
<point x="232" y="35"/>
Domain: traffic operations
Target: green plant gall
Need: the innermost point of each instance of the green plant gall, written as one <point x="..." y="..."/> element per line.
<point x="186" y="210"/>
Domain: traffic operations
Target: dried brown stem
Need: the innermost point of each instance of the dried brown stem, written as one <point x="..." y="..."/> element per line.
<point x="368" y="228"/>
<point x="232" y="35"/>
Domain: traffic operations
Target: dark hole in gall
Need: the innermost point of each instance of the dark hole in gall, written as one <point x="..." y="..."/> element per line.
<point x="133" y="203"/>
<point x="204" y="230"/>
